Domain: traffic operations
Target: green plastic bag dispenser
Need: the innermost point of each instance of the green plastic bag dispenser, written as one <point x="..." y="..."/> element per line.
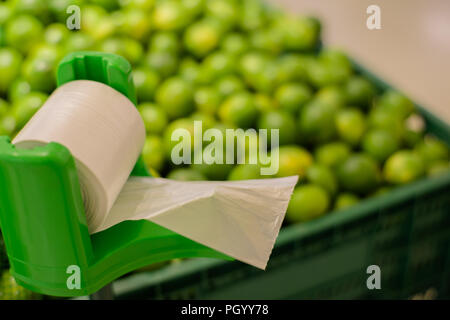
<point x="42" y="216"/>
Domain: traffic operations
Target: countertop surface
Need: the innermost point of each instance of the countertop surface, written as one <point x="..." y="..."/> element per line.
<point x="411" y="51"/>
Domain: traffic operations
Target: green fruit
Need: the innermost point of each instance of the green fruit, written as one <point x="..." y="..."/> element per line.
<point x="268" y="40"/>
<point x="8" y="125"/>
<point x="432" y="150"/>
<point x="330" y="69"/>
<point x="98" y="24"/>
<point x="380" y="144"/>
<point x="153" y="152"/>
<point x="6" y="12"/>
<point x="264" y="103"/>
<point x="190" y="71"/>
<point x="146" y="82"/>
<point x="155" y="119"/>
<point x="10" y="290"/>
<point x="350" y="125"/>
<point x="322" y="176"/>
<point x="78" y="41"/>
<point x="202" y="37"/>
<point x="281" y="120"/>
<point x="396" y="104"/>
<point x="208" y="121"/>
<point x="169" y="16"/>
<point x="292" y="97"/>
<point x="267" y="79"/>
<point x="251" y="63"/>
<point x="24" y="108"/>
<point x="438" y="168"/>
<point x="292" y="160"/>
<point x="207" y="100"/>
<point x="217" y="65"/>
<point x="175" y="96"/>
<point x="382" y="119"/>
<point x="23" y="32"/>
<point x="308" y="202"/>
<point x="359" y="92"/>
<point x="4" y="107"/>
<point x="130" y="49"/>
<point x="239" y="110"/>
<point x="162" y="62"/>
<point x="186" y="174"/>
<point x="245" y="172"/>
<point x="213" y="171"/>
<point x="331" y="95"/>
<point x="332" y="154"/>
<point x="40" y="73"/>
<point x="229" y="85"/>
<point x="225" y="11"/>
<point x="18" y="89"/>
<point x="298" y="33"/>
<point x="165" y="42"/>
<point x="359" y="174"/>
<point x="10" y="62"/>
<point x="56" y="33"/>
<point x="345" y="200"/>
<point x="253" y="15"/>
<point x="317" y="123"/>
<point x="144" y="5"/>
<point x="234" y="43"/>
<point x="402" y="167"/>
<point x="294" y="67"/>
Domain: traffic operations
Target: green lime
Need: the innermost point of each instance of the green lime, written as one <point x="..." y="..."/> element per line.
<point x="10" y="62"/>
<point x="239" y="110"/>
<point x="25" y="107"/>
<point x="268" y="40"/>
<point x="432" y="150"/>
<point x="292" y="160"/>
<point x="164" y="63"/>
<point x="78" y="41"/>
<point x="23" y="32"/>
<point x="267" y="79"/>
<point x="4" y="107"/>
<point x="35" y="8"/>
<point x="234" y="43"/>
<point x="40" y="73"/>
<point x="359" y="174"/>
<point x="177" y="144"/>
<point x="202" y="37"/>
<point x="317" y="122"/>
<point x="331" y="95"/>
<point x="146" y="82"/>
<point x="19" y="88"/>
<point x="292" y="97"/>
<point x="403" y="166"/>
<point x="97" y="23"/>
<point x="281" y="121"/>
<point x="293" y="66"/>
<point x="175" y="96"/>
<point x="330" y="69"/>
<point x="190" y="70"/>
<point x="208" y="120"/>
<point x="217" y="65"/>
<point x="396" y="103"/>
<point x="165" y="41"/>
<point x="229" y="85"/>
<point x="144" y="5"/>
<point x="359" y="92"/>
<point x="345" y="200"/>
<point x="169" y="16"/>
<point x="251" y="63"/>
<point x="207" y="100"/>
<point x="10" y="290"/>
<point x="193" y="8"/>
<point x="438" y="168"/>
<point x="130" y="49"/>
<point x="245" y="172"/>
<point x="226" y="11"/>
<point x="380" y="144"/>
<point x="265" y="103"/>
<point x="350" y="125"/>
<point x="186" y="174"/>
<point x="8" y="125"/>
<point x="155" y="119"/>
<point x="382" y="119"/>
<point x="153" y="152"/>
<point x="308" y="202"/>
<point x="332" y="154"/>
<point x="253" y="15"/>
<point x="56" y="33"/>
<point x="6" y="12"/>
<point x="323" y="177"/>
<point x="298" y="33"/>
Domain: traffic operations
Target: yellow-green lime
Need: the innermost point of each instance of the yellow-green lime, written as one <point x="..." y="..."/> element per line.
<point x="292" y="160"/>
<point x="175" y="97"/>
<point x="332" y="154"/>
<point x="359" y="174"/>
<point x="153" y="152"/>
<point x="322" y="176"/>
<point x="155" y="119"/>
<point x="308" y="202"/>
<point x="345" y="200"/>
<point x="278" y="120"/>
<point x="350" y="125"/>
<point x="245" y="172"/>
<point x="404" y="166"/>
<point x="380" y="144"/>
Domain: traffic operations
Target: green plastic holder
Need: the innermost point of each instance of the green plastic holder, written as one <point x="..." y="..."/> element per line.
<point x="42" y="216"/>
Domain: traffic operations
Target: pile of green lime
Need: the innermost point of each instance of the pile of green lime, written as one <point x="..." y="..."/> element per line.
<point x="231" y="64"/>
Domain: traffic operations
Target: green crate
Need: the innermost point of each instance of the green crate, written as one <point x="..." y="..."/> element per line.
<point x="406" y="233"/>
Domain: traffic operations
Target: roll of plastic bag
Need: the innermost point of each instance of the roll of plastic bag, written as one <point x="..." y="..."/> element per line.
<point x="105" y="134"/>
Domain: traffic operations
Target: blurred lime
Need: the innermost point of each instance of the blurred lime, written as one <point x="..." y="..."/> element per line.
<point x="128" y="48"/>
<point x="164" y="63"/>
<point x="229" y="85"/>
<point x="350" y="125"/>
<point x="432" y="150"/>
<point x="97" y="23"/>
<point x="6" y="12"/>
<point x="40" y="73"/>
<point x="359" y="174"/>
<point x="322" y="176"/>
<point x="108" y="4"/>
<point x="234" y="43"/>
<point x="332" y="68"/>
<point x="56" y="33"/>
<point x="19" y="88"/>
<point x="345" y="200"/>
<point x="224" y="10"/>
<point x="293" y="66"/>
<point x="169" y="16"/>
<point x="292" y="97"/>
<point x="268" y="40"/>
<point x="202" y="37"/>
<point x="265" y="103"/>
<point x="253" y="15"/>
<point x="281" y="120"/>
<point x="190" y="71"/>
<point x="359" y="92"/>
<point x="23" y="32"/>
<point x="10" y="290"/>
<point x="153" y="152"/>
<point x="380" y="144"/>
<point x="298" y="33"/>
<point x="78" y="41"/>
<point x="146" y="82"/>
<point x="183" y="123"/>
<point x="207" y="99"/>
<point x="267" y="79"/>
<point x="155" y="119"/>
<point x="218" y="64"/>
<point x="165" y="41"/>
<point x="239" y="110"/>
<point x="193" y="8"/>
<point x="245" y="172"/>
<point x="331" y="95"/>
<point x="332" y="154"/>
<point x="25" y="107"/>
<point x="186" y="174"/>
<point x="316" y="122"/>
<point x="438" y="168"/>
<point x="404" y="166"/>
<point x="251" y="63"/>
<point x="293" y="160"/>
<point x="308" y="202"/>
<point x="208" y="120"/>
<point x="395" y="103"/>
<point x="10" y="62"/>
<point x="133" y="23"/>
<point x="145" y="5"/>
<point x="4" y="107"/>
<point x="382" y="119"/>
<point x="8" y="125"/>
<point x="175" y="96"/>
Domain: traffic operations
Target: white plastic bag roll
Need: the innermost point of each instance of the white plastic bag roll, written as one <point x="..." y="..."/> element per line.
<point x="105" y="134"/>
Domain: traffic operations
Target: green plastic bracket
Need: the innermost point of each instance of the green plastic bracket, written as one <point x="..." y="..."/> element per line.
<point x="42" y="216"/>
